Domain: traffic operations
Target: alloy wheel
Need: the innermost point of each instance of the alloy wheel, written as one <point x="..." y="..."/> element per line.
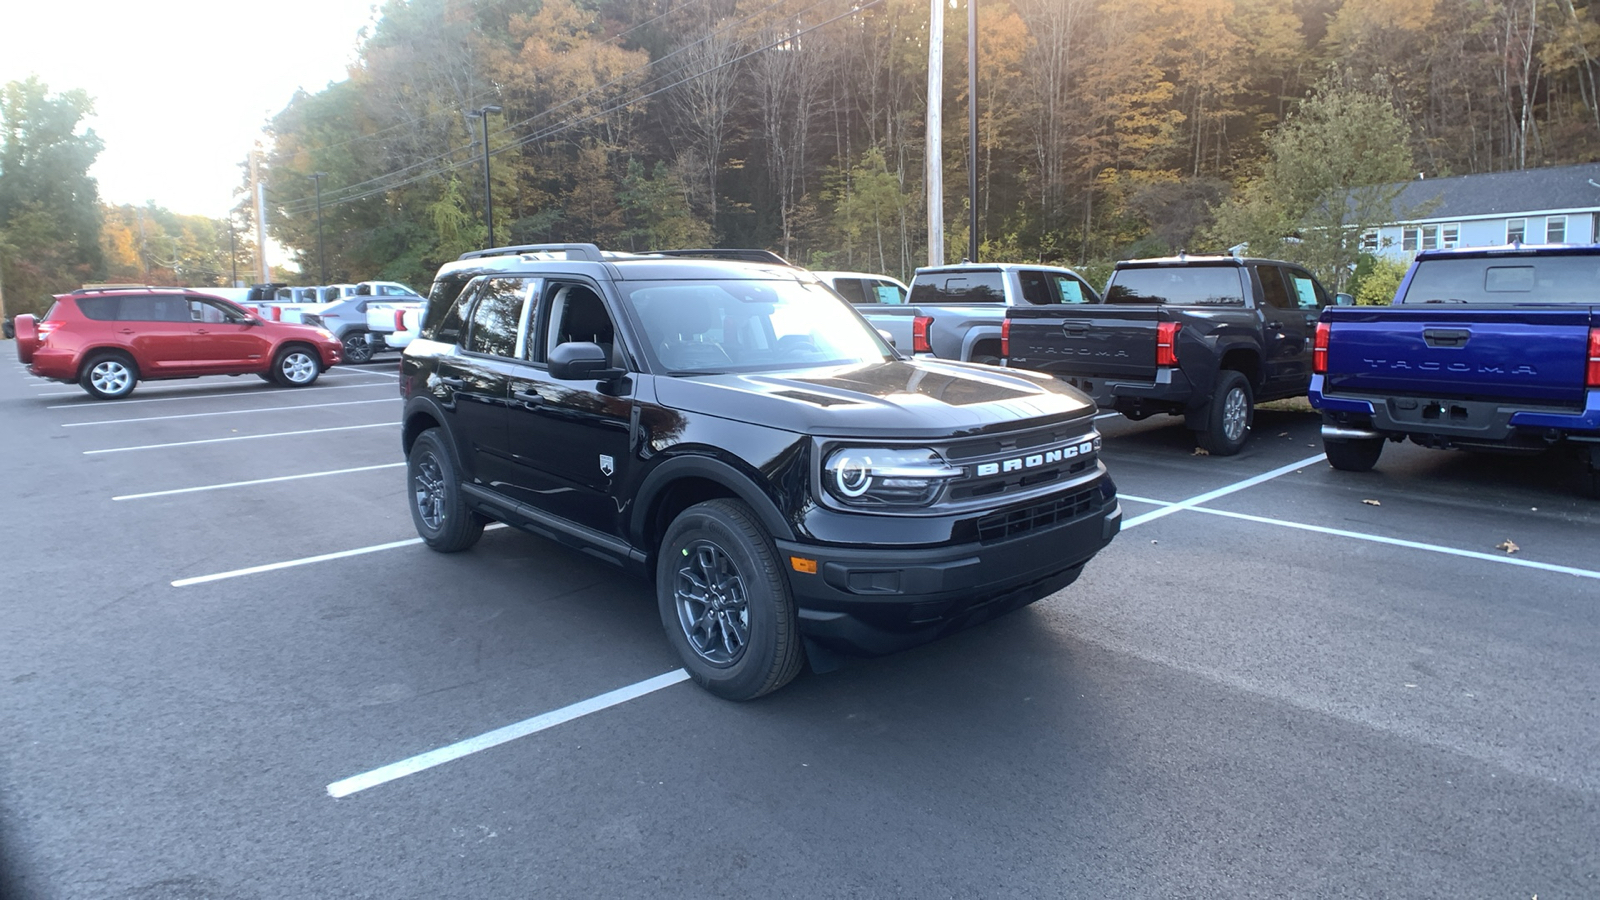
<point x="713" y="605"/>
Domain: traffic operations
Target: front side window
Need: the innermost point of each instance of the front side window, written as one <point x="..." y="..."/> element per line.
<point x="887" y="292"/>
<point x="1071" y="290"/>
<point x="698" y="327"/>
<point x="497" y="317"/>
<point x="1555" y="230"/>
<point x="1307" y="293"/>
<point x="1516" y="231"/>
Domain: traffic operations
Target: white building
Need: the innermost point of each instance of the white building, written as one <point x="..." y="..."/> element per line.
<point x="1533" y="206"/>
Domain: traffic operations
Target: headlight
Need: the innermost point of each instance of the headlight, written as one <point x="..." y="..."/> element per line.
<point x="869" y="478"/>
<point x="326" y="334"/>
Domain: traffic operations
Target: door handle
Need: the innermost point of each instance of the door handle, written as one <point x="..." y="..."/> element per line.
<point x="127" y="331"/>
<point x="447" y="381"/>
<point x="201" y="331"/>
<point x="530" y="398"/>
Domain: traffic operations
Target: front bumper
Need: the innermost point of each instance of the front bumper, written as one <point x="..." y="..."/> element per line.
<point x="876" y="600"/>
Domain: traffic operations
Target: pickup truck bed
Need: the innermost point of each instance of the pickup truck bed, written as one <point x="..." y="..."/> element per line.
<point x="1484" y="349"/>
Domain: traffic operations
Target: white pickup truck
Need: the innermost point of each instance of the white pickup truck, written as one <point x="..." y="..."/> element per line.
<point x="395" y="323"/>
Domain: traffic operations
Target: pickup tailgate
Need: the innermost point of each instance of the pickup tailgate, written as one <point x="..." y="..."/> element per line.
<point x="1094" y="339"/>
<point x="1535" y="354"/>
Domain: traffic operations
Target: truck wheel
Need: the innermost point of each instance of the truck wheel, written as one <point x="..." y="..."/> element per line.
<point x="442" y="518"/>
<point x="1228" y="419"/>
<point x="1353" y="456"/>
<point x="725" y="602"/>
<point x="356" y="348"/>
<point x="109" y="376"/>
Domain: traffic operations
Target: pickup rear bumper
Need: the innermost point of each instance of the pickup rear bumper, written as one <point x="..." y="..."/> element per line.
<point x="1171" y="389"/>
<point x="1471" y="421"/>
<point x="872" y="601"/>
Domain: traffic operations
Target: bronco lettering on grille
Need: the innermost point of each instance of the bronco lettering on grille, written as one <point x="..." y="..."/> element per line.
<point x="1035" y="460"/>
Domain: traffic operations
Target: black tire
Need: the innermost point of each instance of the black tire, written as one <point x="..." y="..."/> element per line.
<point x="1229" y="416"/>
<point x="109" y="376"/>
<point x="296" y="366"/>
<point x="442" y="518"/>
<point x="1591" y="484"/>
<point x="717" y="575"/>
<point x="986" y="353"/>
<point x="1353" y="456"/>
<point x="357" y="349"/>
<point x="267" y="377"/>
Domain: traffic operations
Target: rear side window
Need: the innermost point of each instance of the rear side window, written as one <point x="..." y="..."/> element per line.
<point x="1273" y="290"/>
<point x="497" y="319"/>
<point x="1505" y="281"/>
<point x="850" y="289"/>
<point x="446" y="312"/>
<point x="1185" y="286"/>
<point x="958" y="287"/>
<point x="100" y="309"/>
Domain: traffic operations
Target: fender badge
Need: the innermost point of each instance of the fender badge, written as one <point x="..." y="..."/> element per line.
<point x="607" y="465"/>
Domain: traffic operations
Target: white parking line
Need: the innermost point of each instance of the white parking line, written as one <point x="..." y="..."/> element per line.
<point x="242" y="437"/>
<point x="307" y="560"/>
<point x="411" y="766"/>
<point x="228" y="412"/>
<point x="1377" y="539"/>
<point x="1220" y="492"/>
<point x="234" y="484"/>
<point x="91" y="403"/>
<point x="353" y="371"/>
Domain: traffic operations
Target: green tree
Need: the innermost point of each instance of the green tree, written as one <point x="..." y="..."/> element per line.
<point x="49" y="206"/>
<point x="1378" y="286"/>
<point x="1335" y="167"/>
<point x="657" y="210"/>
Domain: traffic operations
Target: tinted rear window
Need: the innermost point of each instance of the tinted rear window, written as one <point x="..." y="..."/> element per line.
<point x="958" y="287"/>
<point x="100" y="309"/>
<point x="1178" y="286"/>
<point x="1506" y="281"/>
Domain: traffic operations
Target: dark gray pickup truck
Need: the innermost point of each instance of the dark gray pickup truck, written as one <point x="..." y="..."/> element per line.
<point x="1204" y="337"/>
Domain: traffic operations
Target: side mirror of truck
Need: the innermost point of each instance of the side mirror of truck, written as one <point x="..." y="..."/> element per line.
<point x="887" y="338"/>
<point x="582" y="361"/>
<point x="1343" y="299"/>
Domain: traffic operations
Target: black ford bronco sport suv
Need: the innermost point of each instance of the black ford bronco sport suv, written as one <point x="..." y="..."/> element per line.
<point x="740" y="434"/>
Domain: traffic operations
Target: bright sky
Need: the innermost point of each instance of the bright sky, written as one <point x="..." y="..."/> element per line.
<point x="182" y="88"/>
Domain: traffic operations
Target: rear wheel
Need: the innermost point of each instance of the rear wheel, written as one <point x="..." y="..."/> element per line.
<point x="109" y="376"/>
<point x="357" y="349"/>
<point x="1229" y="416"/>
<point x="1353" y="456"/>
<point x="442" y="518"/>
<point x="296" y="367"/>
<point x="725" y="603"/>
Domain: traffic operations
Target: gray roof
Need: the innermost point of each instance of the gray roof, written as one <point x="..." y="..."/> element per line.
<point x="1500" y="193"/>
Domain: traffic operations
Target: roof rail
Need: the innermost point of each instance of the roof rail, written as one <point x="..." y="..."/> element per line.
<point x="587" y="252"/>
<point x="759" y="256"/>
<point x="115" y="287"/>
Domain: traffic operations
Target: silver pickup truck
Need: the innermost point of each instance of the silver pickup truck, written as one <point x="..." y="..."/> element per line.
<point x="957" y="312"/>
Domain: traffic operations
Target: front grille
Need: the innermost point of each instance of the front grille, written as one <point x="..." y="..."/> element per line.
<point x="1010" y="523"/>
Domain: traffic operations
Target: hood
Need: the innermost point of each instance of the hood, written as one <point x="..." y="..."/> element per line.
<point x="902" y="398"/>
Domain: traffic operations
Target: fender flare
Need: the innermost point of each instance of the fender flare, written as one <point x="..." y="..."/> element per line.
<point x="975" y="335"/>
<point x="696" y="465"/>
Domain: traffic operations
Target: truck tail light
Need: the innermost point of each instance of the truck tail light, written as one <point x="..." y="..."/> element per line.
<point x="1166" y="343"/>
<point x="919" y="334"/>
<point x="1594" y="358"/>
<point x="399" y="320"/>
<point x="1319" y="350"/>
<point x="277" y="314"/>
<point x="1005" y="339"/>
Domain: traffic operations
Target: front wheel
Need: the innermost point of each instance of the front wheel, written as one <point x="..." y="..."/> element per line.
<point x="1353" y="456"/>
<point x="110" y="376"/>
<point x="296" y="367"/>
<point x="725" y="603"/>
<point x="1229" y="416"/>
<point x="357" y="349"/>
<point x="443" y="520"/>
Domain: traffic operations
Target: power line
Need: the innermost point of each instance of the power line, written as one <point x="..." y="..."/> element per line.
<point x="294" y="209"/>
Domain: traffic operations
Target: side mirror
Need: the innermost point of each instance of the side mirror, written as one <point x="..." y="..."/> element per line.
<point x="1343" y="299"/>
<point x="582" y="361"/>
<point x="887" y="337"/>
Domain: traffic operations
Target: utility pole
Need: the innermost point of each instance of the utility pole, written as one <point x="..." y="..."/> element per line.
<point x="483" y="112"/>
<point x="233" y="254"/>
<point x="935" y="166"/>
<point x="972" y="130"/>
<point x="322" y="261"/>
<point x="259" y="192"/>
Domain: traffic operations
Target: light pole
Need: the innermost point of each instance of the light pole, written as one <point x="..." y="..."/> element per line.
<point x="483" y="112"/>
<point x="972" y="129"/>
<point x="322" y="261"/>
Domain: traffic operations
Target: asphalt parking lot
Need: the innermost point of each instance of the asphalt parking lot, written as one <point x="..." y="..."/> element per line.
<point x="230" y="671"/>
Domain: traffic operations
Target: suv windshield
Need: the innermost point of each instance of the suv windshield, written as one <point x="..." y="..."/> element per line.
<point x="1179" y="286"/>
<point x="1505" y="280"/>
<point x="748" y="326"/>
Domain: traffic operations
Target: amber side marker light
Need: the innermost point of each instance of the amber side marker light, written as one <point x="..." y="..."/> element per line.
<point x="801" y="564"/>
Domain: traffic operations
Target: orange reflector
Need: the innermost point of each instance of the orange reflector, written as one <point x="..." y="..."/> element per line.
<point x="808" y="566"/>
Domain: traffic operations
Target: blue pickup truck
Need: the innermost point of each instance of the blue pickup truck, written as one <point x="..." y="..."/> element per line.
<point x="1484" y="349"/>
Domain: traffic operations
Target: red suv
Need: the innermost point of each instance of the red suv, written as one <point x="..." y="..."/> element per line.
<point x="108" y="339"/>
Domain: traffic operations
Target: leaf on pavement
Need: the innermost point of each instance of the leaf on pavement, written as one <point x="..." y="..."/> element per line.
<point x="1201" y="451"/>
<point x="1372" y="503"/>
<point x="1507" y="546"/>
